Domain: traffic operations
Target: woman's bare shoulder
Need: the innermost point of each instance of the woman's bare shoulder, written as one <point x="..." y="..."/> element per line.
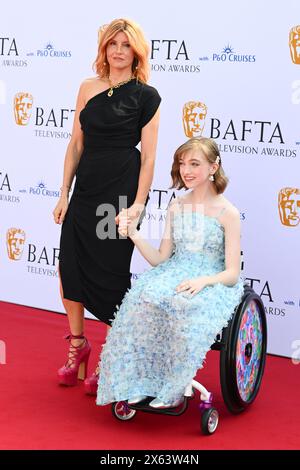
<point x="93" y="79"/>
<point x="91" y="86"/>
<point x="90" y="82"/>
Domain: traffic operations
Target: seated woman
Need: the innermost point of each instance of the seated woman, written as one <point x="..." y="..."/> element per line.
<point x="169" y="319"/>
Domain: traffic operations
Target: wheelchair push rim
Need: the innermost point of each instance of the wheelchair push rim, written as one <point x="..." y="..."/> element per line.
<point x="243" y="361"/>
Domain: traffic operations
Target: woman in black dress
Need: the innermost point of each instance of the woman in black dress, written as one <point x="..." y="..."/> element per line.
<point x="114" y="112"/>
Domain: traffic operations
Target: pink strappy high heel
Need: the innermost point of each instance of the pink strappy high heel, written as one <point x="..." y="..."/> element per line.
<point x="91" y="384"/>
<point x="77" y="363"/>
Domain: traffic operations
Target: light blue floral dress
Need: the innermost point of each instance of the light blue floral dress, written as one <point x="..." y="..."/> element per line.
<point x="159" y="338"/>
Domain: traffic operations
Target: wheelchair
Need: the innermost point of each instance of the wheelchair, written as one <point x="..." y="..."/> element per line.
<point x="242" y="345"/>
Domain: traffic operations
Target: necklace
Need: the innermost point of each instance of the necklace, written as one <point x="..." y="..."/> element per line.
<point x="111" y="90"/>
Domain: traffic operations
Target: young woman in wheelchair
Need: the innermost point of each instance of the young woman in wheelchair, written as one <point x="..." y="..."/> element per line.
<point x="170" y="317"/>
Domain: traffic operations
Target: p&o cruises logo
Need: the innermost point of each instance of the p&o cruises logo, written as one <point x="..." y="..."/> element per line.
<point x="50" y="51"/>
<point x="229" y="55"/>
<point x="41" y="190"/>
<point x="13" y="56"/>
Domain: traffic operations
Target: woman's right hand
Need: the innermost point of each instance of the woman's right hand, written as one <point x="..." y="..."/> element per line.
<point x="127" y="225"/>
<point x="123" y="223"/>
<point x="60" y="210"/>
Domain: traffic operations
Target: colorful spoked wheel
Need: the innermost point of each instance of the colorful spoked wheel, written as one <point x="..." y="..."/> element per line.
<point x="243" y="358"/>
<point x="122" y="411"/>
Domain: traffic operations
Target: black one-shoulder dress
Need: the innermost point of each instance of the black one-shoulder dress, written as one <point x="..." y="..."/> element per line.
<point x="95" y="270"/>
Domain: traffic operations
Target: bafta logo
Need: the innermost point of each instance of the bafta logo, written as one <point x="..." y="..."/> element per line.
<point x="15" y="239"/>
<point x="289" y="206"/>
<point x="22" y="108"/>
<point x="194" y="114"/>
<point x="294" y="43"/>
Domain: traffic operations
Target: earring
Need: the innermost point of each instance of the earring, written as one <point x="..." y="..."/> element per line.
<point x="211" y="178"/>
<point x="135" y="63"/>
<point x="104" y="63"/>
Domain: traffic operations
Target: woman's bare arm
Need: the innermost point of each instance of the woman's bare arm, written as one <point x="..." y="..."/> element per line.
<point x="72" y="158"/>
<point x="75" y="146"/>
<point x="153" y="255"/>
<point x="148" y="152"/>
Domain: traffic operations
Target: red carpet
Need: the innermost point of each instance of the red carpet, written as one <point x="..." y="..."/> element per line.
<point x="38" y="414"/>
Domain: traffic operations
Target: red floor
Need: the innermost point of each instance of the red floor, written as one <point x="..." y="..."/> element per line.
<point x="38" y="414"/>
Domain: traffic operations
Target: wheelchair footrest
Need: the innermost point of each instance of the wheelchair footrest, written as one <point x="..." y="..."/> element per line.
<point x="144" y="406"/>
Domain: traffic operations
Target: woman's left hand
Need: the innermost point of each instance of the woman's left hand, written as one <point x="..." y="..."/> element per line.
<point x="192" y="286"/>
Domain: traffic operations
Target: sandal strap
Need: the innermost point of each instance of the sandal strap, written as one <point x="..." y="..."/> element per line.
<point x="73" y="349"/>
<point x="69" y="336"/>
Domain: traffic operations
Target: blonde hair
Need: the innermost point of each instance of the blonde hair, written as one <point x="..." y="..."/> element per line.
<point x="140" y="65"/>
<point x="211" y="152"/>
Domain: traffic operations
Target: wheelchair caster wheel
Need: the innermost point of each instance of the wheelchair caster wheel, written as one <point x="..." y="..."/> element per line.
<point x="121" y="411"/>
<point x="209" y="421"/>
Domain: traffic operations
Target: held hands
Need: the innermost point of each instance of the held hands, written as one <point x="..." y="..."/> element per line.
<point x="192" y="286"/>
<point x="123" y="222"/>
<point x="128" y="219"/>
<point x="127" y="224"/>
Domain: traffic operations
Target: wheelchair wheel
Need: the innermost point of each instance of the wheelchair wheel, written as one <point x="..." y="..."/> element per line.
<point x="121" y="411"/>
<point x="209" y="421"/>
<point x="242" y="359"/>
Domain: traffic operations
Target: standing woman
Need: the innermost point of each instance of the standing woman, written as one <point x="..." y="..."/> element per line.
<point x="114" y="112"/>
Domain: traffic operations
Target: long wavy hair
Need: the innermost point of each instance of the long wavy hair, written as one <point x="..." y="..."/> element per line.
<point x="135" y="35"/>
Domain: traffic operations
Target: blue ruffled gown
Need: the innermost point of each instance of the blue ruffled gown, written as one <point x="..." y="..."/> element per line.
<point x="159" y="338"/>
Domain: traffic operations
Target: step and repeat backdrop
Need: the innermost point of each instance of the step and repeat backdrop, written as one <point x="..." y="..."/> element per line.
<point x="226" y="70"/>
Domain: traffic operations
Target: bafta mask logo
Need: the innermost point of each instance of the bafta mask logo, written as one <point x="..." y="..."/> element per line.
<point x="194" y="114"/>
<point x="289" y="206"/>
<point x="22" y="108"/>
<point x="15" y="239"/>
<point x="294" y="43"/>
